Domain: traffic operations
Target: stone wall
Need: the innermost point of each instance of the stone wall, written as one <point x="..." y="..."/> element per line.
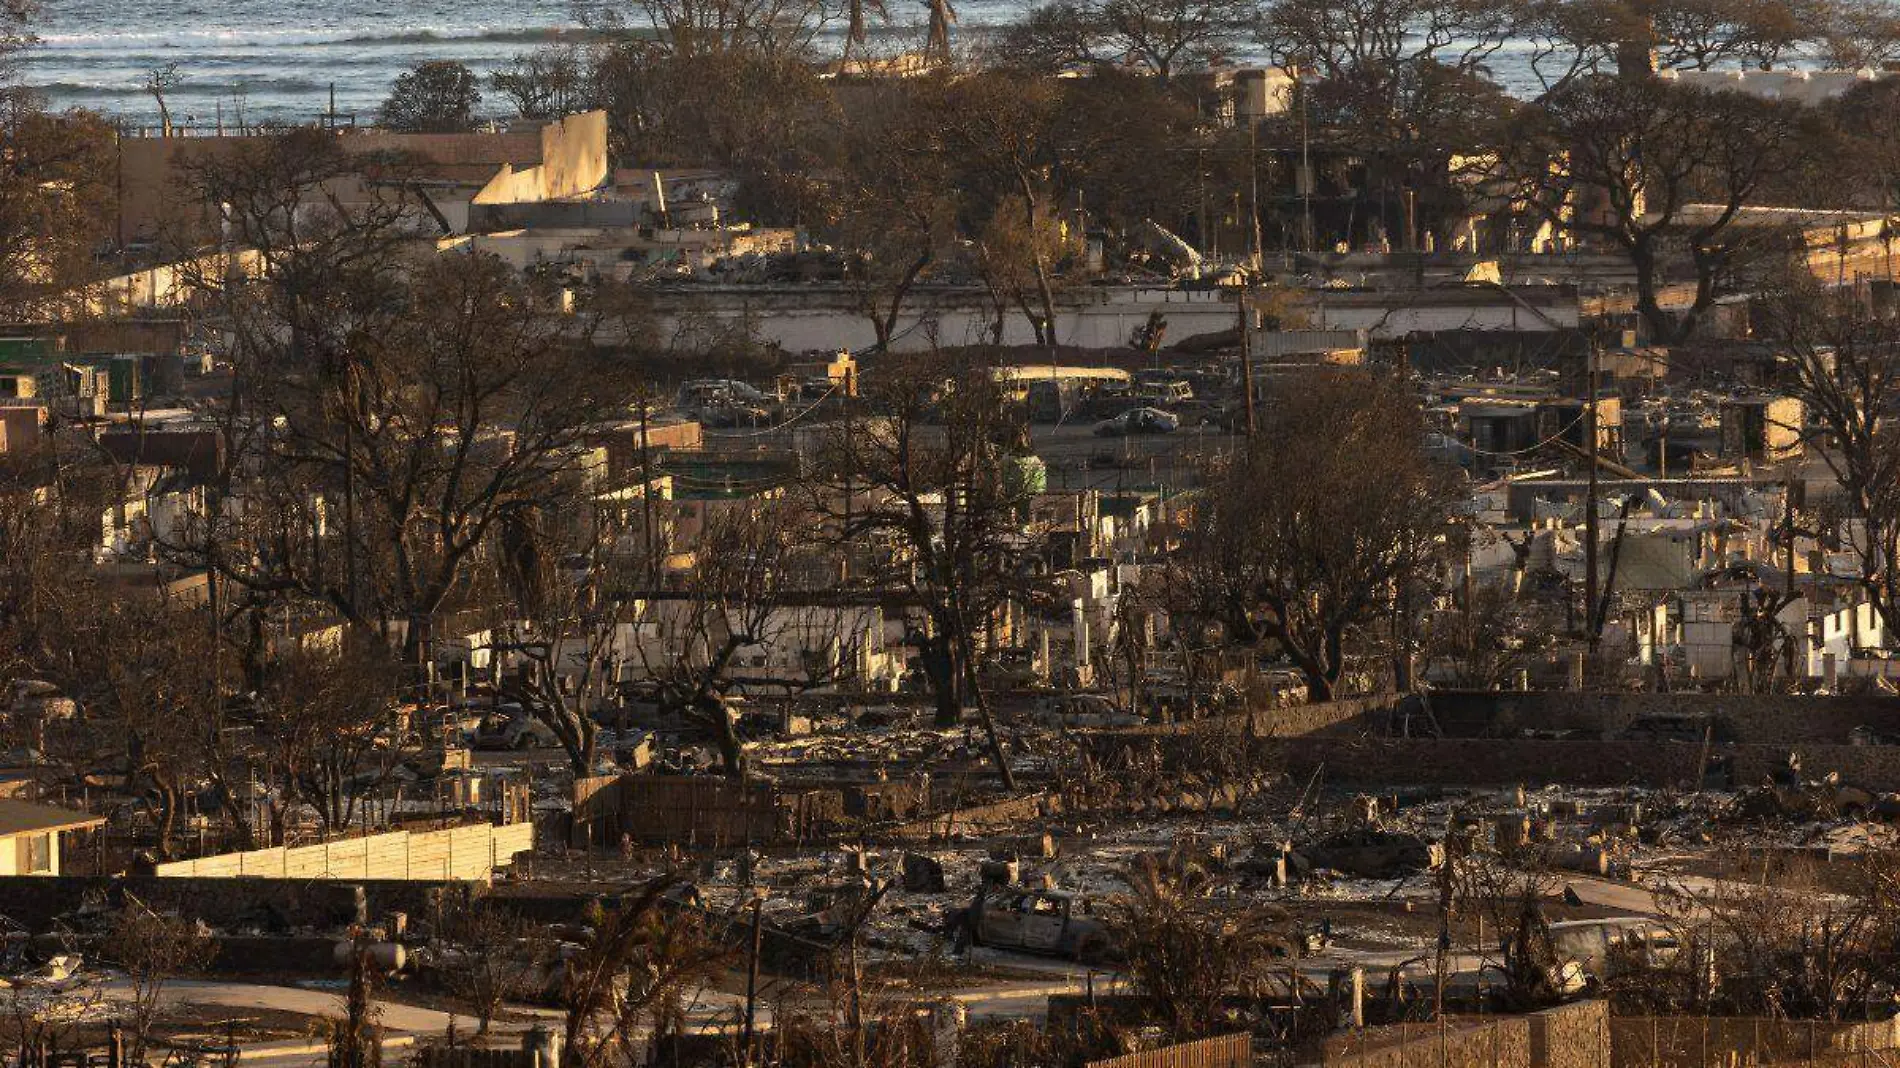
<point x="1504" y="1042"/>
<point x="1775" y="720"/>
<point x="1503" y="761"/>
<point x="1347" y="718"/>
<point x="1576" y="1035"/>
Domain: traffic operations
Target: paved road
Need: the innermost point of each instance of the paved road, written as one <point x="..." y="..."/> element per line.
<point x="1077" y="459"/>
<point x="1022" y="998"/>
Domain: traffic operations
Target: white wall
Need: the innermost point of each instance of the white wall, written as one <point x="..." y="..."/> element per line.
<point x="10" y="854"/>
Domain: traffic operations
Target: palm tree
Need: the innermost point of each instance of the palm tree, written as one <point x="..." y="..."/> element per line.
<point x="942" y="17"/>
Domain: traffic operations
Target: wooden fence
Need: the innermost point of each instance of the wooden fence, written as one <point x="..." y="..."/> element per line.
<point x="470" y="854"/>
<point x="1222" y="1051"/>
<point x="699" y="810"/>
<point x="597" y="804"/>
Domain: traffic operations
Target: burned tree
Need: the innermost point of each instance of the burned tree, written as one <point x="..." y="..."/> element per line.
<point x="1658" y="172"/>
<point x="932" y="475"/>
<point x="997" y="126"/>
<point x="390" y="405"/>
<point x="1186" y="953"/>
<point x="893" y="204"/>
<point x="1307" y="537"/>
<point x="1842" y="363"/>
<point x="489" y="957"/>
<point x="747" y="599"/>
<point x="153" y="949"/>
<point x="323" y="720"/>
<point x="571" y="595"/>
<point x="1484" y="641"/>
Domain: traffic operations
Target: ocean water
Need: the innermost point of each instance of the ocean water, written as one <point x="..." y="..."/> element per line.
<point x="276" y="60"/>
<point x="268" y="60"/>
<point x="257" y="61"/>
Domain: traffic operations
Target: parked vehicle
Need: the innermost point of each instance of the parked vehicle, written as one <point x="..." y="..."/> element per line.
<point x="1084" y="710"/>
<point x="519" y="731"/>
<point x="1042" y="921"/>
<point x="1062" y="924"/>
<point x="1170" y="392"/>
<point x="1139" y="421"/>
<point x="1595" y="951"/>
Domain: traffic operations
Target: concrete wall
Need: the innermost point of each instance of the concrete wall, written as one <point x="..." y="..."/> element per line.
<point x="153" y="170"/>
<point x="1398" y="314"/>
<point x="978" y="819"/>
<point x="573" y="161"/>
<point x="824" y="319"/>
<point x="469" y="853"/>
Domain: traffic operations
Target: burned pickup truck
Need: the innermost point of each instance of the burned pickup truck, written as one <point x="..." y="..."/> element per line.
<point x="1062" y="924"/>
<point x="1039" y="921"/>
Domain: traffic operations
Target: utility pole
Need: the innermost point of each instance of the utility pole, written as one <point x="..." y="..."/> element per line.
<point x="1246" y="360"/>
<point x="1662" y="450"/>
<point x="1306" y="165"/>
<point x="1246" y="319"/>
<point x="850" y="460"/>
<point x="1253" y="186"/>
<point x="1590" y="505"/>
<point x="752" y="978"/>
<point x="646" y="497"/>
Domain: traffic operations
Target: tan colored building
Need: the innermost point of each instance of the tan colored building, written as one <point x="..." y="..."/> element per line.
<point x="29" y="835"/>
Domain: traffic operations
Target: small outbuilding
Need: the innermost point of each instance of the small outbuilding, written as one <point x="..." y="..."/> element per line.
<point x="29" y="835"/>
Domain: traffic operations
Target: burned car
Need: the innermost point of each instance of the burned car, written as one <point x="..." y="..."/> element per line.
<point x="1039" y="921"/>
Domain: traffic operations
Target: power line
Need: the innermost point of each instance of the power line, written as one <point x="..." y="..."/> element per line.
<point x="1533" y="447"/>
